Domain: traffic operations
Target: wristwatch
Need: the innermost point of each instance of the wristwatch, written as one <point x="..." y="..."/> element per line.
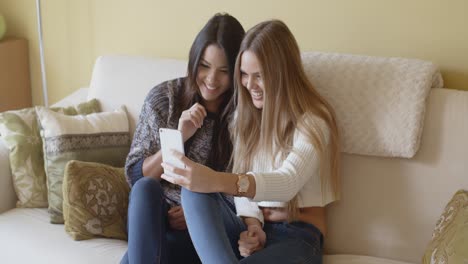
<point x="243" y="183"/>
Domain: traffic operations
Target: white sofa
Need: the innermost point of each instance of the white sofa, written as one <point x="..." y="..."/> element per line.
<point x="388" y="210"/>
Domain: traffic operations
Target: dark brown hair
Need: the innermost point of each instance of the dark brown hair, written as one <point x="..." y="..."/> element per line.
<point x="226" y="32"/>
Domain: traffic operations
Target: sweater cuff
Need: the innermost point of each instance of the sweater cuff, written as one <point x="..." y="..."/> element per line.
<point x="259" y="186"/>
<point x="136" y="171"/>
<point x="246" y="208"/>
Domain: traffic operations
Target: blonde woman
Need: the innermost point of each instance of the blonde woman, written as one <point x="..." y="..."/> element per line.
<point x="286" y="161"/>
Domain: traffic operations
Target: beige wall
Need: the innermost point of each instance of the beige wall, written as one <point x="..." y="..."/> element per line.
<point x="77" y="31"/>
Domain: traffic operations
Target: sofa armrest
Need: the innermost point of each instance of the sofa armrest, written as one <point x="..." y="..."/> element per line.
<point x="7" y="192"/>
<point x="78" y="96"/>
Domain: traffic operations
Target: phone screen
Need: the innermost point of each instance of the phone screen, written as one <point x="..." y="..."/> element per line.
<point x="171" y="139"/>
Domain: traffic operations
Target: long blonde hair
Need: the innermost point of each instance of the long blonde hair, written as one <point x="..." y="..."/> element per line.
<point x="288" y="98"/>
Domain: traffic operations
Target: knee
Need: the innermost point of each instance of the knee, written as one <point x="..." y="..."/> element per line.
<point x="147" y="188"/>
<point x="193" y="199"/>
<point x="189" y="198"/>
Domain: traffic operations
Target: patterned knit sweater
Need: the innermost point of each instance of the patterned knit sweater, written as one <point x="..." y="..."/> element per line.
<point x="161" y="110"/>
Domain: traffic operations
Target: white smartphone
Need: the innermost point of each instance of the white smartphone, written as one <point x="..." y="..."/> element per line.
<point x="171" y="139"/>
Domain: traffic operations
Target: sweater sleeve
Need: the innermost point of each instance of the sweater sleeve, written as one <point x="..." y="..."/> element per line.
<point x="247" y="208"/>
<point x="154" y="114"/>
<point x="302" y="163"/>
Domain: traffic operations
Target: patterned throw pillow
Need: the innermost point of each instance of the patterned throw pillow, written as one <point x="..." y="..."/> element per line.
<point x="101" y="137"/>
<point x="95" y="200"/>
<point x="20" y="132"/>
<point x="449" y="242"/>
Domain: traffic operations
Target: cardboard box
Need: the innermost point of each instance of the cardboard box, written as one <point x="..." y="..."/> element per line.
<point x="15" y="81"/>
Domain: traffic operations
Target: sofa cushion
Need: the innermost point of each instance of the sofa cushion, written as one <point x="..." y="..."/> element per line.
<point x="28" y="237"/>
<point x="129" y="79"/>
<point x="101" y="137"/>
<point x="449" y="242"/>
<point x="95" y="200"/>
<point x="19" y="131"/>
<point x="30" y="228"/>
<point x="379" y="102"/>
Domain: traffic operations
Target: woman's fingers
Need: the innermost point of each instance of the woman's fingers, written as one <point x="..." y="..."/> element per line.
<point x="245" y="253"/>
<point x="198" y="112"/>
<point x="248" y="240"/>
<point x="186" y="161"/>
<point x="177" y="220"/>
<point x="199" y="108"/>
<point x="182" y="181"/>
<point x="189" y="116"/>
<point x="174" y="210"/>
<point x="169" y="168"/>
<point x="193" y="176"/>
<point x="195" y="114"/>
<point x="246" y="249"/>
<point x="184" y="173"/>
<point x="179" y="225"/>
<point x="176" y="213"/>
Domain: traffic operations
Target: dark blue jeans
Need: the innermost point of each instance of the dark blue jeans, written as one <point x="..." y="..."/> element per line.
<point x="215" y="229"/>
<point x="150" y="239"/>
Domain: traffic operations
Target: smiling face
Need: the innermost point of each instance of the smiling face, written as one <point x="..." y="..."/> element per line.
<point x="213" y="77"/>
<point x="252" y="78"/>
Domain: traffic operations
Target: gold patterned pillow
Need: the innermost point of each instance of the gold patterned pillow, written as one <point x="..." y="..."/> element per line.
<point x="95" y="200"/>
<point x="449" y="242"/>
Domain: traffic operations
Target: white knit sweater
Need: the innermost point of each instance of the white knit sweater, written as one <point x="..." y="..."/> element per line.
<point x="298" y="174"/>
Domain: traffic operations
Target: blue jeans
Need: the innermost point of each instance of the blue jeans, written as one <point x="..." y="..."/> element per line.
<point x="215" y="229"/>
<point x="150" y="239"/>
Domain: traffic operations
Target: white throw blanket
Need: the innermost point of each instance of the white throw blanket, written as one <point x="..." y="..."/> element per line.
<point x="379" y="102"/>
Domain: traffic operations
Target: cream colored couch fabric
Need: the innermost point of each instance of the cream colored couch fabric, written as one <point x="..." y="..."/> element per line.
<point x="32" y="239"/>
<point x="27" y="236"/>
<point x="390" y="206"/>
<point x="379" y="102"/>
<point x="388" y="211"/>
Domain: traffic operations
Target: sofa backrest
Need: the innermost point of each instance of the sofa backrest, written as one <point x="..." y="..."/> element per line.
<point x="126" y="80"/>
<point x="389" y="206"/>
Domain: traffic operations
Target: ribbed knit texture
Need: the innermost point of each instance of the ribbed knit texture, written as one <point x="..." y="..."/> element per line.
<point x="298" y="174"/>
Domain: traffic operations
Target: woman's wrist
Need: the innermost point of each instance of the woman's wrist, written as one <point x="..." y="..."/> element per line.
<point x="225" y="183"/>
<point x="252" y="221"/>
<point x="152" y="165"/>
<point x="229" y="183"/>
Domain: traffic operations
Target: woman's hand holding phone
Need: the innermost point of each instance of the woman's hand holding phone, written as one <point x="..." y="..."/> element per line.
<point x="194" y="176"/>
<point x="191" y="120"/>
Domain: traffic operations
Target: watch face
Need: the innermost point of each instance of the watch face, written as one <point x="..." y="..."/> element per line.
<point x="243" y="184"/>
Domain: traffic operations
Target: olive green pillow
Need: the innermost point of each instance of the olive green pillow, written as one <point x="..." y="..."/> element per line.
<point x="449" y="242"/>
<point x="95" y="200"/>
<point x="100" y="137"/>
<point x="20" y="132"/>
